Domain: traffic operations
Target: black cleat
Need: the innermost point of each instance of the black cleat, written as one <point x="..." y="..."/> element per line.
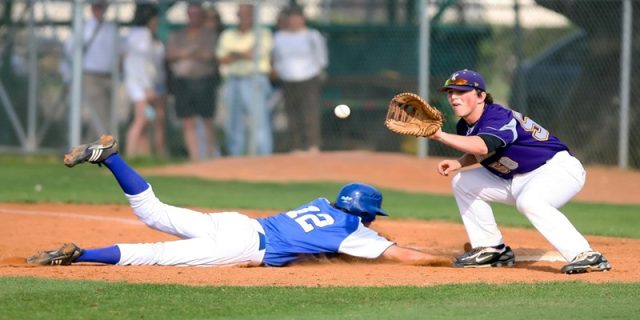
<point x="484" y="257"/>
<point x="587" y="261"/>
<point x="63" y="256"/>
<point x="94" y="152"/>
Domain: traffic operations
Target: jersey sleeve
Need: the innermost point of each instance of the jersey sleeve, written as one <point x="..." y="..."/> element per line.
<point x="501" y="125"/>
<point x="364" y="243"/>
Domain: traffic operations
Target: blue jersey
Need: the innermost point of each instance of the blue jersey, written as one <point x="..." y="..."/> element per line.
<point x="317" y="227"/>
<point x="527" y="145"/>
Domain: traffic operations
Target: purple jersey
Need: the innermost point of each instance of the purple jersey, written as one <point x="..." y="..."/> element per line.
<point x="527" y="145"/>
<point x="318" y="227"/>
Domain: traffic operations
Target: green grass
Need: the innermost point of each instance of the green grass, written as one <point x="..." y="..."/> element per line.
<point x="22" y="298"/>
<point x="27" y="298"/>
<point x="91" y="184"/>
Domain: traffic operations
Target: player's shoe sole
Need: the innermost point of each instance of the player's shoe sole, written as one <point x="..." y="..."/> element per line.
<point x="94" y="152"/>
<point x="486" y="257"/>
<point x="61" y="256"/>
<point x="589" y="261"/>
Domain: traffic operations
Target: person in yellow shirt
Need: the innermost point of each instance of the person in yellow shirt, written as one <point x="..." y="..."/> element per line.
<point x="245" y="66"/>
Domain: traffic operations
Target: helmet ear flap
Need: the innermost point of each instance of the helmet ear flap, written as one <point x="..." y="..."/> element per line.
<point x="367" y="217"/>
<point x="361" y="200"/>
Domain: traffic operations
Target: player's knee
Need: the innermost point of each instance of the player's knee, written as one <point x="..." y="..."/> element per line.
<point x="529" y="204"/>
<point x="460" y="184"/>
<point x="151" y="213"/>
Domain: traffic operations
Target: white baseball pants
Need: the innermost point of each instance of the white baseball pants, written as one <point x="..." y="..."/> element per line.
<point x="537" y="194"/>
<point x="217" y="239"/>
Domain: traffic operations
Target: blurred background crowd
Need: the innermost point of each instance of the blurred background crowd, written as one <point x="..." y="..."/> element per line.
<point x="206" y="79"/>
<point x="261" y="69"/>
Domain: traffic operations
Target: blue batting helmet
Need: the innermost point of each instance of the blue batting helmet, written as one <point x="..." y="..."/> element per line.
<point x="361" y="200"/>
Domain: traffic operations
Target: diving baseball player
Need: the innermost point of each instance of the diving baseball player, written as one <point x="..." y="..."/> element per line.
<point x="521" y="164"/>
<point x="231" y="238"/>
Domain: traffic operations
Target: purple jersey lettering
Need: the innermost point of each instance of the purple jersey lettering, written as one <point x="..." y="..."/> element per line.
<point x="527" y="145"/>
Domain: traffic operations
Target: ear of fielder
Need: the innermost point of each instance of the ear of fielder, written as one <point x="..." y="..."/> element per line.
<point x="231" y="238"/>
<point x="521" y="164"/>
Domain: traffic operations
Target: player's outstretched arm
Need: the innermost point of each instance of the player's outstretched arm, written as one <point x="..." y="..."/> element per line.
<point x="466" y="144"/>
<point x="414" y="257"/>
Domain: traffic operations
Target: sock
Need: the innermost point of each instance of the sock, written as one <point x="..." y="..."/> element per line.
<point x="499" y="247"/>
<point x="109" y="255"/>
<point x="130" y="181"/>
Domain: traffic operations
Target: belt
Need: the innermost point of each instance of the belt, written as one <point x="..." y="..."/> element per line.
<point x="263" y="241"/>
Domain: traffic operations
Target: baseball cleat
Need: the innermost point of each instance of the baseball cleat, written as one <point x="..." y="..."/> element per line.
<point x="94" y="152"/>
<point x="485" y="257"/>
<point x="63" y="256"/>
<point x="587" y="261"/>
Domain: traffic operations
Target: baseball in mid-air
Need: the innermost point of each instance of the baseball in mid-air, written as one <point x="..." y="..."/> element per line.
<point x="342" y="111"/>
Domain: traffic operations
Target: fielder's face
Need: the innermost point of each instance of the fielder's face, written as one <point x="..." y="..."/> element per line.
<point x="466" y="104"/>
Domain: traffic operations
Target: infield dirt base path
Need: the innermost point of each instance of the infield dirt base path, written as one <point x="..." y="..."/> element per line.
<point x="27" y="228"/>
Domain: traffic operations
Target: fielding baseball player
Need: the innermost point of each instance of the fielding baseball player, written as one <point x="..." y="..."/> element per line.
<point x="522" y="164"/>
<point x="231" y="238"/>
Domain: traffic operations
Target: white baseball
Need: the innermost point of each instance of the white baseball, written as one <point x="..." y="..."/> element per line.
<point x="342" y="111"/>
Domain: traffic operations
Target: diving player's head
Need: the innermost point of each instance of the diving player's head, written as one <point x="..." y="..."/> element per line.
<point x="361" y="200"/>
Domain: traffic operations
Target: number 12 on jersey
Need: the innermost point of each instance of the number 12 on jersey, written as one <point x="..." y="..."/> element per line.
<point x="309" y="218"/>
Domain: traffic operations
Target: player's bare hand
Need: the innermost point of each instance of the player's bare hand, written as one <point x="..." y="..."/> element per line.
<point x="446" y="167"/>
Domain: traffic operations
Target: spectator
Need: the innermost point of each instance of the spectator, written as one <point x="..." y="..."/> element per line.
<point x="145" y="81"/>
<point x="246" y="66"/>
<point x="276" y="98"/>
<point x="300" y="59"/>
<point x="191" y="57"/>
<point x="213" y="22"/>
<point x="100" y="38"/>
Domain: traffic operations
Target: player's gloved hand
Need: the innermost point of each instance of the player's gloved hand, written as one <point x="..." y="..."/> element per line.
<point x="409" y="114"/>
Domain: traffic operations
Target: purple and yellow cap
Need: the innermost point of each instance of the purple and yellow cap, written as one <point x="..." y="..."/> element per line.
<point x="464" y="80"/>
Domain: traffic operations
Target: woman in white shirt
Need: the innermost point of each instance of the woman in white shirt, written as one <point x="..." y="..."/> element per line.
<point x="145" y="81"/>
<point x="299" y="59"/>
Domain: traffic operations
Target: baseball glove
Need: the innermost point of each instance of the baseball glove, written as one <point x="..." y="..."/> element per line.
<point x="411" y="115"/>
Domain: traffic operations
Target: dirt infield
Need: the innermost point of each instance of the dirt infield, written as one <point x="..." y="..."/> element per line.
<point x="27" y="228"/>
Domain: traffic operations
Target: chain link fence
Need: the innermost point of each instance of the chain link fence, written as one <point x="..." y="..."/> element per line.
<point x="568" y="65"/>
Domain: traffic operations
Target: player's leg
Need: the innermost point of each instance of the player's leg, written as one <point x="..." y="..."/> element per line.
<point x="96" y="105"/>
<point x="473" y="191"/>
<point x="107" y="255"/>
<point x="295" y="123"/>
<point x="232" y="239"/>
<point x="70" y="253"/>
<point x="255" y="93"/>
<point x="235" y="127"/>
<point x="312" y="112"/>
<point x="540" y="193"/>
<point x="181" y="222"/>
<point x="235" y="239"/>
<point x="129" y="180"/>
